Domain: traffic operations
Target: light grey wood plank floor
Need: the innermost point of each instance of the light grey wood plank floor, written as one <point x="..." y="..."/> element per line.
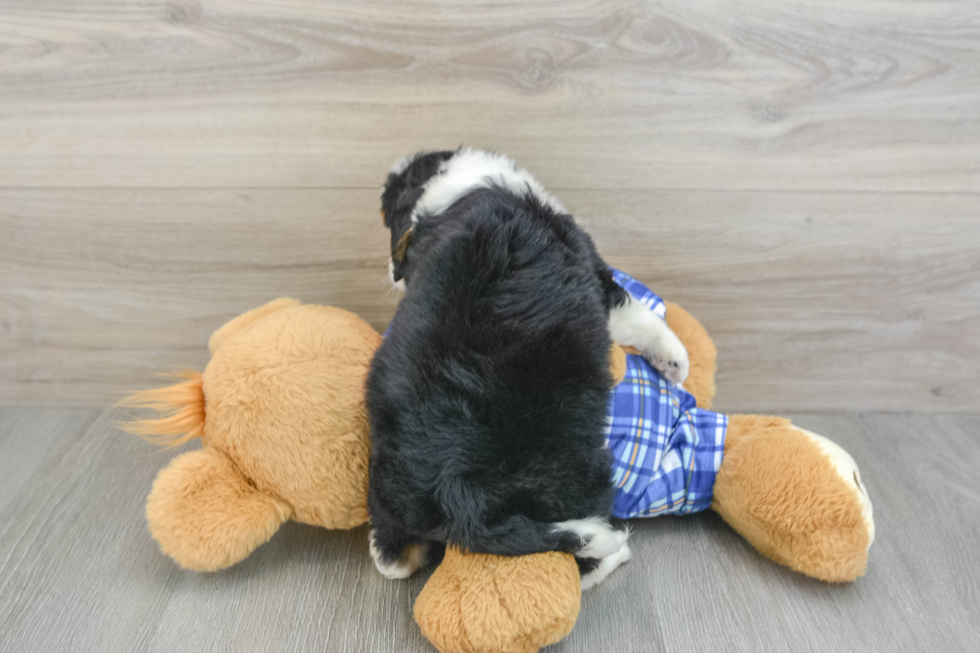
<point x="79" y="572"/>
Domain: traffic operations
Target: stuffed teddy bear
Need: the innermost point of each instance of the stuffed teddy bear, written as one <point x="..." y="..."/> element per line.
<point x="281" y="415"/>
<point x="794" y="495"/>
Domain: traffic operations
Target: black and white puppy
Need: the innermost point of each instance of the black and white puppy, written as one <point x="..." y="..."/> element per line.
<point x="488" y="396"/>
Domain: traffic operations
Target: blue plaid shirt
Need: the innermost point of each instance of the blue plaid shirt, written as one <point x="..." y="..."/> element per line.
<point x="666" y="450"/>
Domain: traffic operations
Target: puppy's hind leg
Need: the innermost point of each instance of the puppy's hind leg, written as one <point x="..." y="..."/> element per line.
<point x="595" y="571"/>
<point x="597" y="537"/>
<point x="395" y="556"/>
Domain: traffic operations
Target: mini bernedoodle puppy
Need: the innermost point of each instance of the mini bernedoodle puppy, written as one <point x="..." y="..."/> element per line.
<point x="488" y="396"/>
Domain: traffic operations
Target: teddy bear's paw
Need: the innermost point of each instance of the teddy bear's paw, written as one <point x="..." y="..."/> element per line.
<point x="207" y="515"/>
<point x="667" y="354"/>
<point x="406" y="565"/>
<point x="606" y="566"/>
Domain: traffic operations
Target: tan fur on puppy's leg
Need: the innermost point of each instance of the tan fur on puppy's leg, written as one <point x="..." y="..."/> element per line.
<point x="206" y="515"/>
<point x="782" y="493"/>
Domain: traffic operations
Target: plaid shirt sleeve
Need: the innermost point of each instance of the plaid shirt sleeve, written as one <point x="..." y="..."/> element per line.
<point x="666" y="450"/>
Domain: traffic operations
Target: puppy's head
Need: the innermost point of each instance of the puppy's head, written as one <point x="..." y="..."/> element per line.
<point x="402" y="191"/>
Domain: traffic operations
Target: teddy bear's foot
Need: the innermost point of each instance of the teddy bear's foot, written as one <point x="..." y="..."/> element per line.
<point x="796" y="497"/>
<point x="849" y="474"/>
<point x="479" y="603"/>
<point x="206" y="515"/>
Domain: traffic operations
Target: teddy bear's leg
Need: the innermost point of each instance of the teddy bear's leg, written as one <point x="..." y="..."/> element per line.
<point x="478" y="603"/>
<point x="795" y="496"/>
<point x="205" y="513"/>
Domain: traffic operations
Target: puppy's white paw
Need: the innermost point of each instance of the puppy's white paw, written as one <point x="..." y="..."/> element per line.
<point x="667" y="355"/>
<point x="606" y="566"/>
<point x="410" y="560"/>
<point x="600" y="538"/>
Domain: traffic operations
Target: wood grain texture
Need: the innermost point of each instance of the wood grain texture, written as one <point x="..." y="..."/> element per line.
<point x="26" y="438"/>
<point x="105" y="289"/>
<point x="817" y="301"/>
<point x="821" y="95"/>
<point x="79" y="572"/>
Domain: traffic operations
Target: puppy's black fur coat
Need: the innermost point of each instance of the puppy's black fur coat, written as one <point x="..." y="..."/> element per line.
<point x="488" y="396"/>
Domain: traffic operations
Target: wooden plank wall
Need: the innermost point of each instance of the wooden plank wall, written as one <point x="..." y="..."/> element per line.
<point x="805" y="178"/>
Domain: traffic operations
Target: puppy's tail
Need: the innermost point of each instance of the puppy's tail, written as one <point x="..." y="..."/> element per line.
<point x="182" y="405"/>
<point x="519" y="535"/>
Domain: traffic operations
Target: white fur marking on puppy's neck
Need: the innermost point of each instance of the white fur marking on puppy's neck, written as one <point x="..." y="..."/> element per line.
<point x="471" y="169"/>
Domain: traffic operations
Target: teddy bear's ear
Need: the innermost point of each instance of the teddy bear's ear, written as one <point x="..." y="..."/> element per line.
<point x="207" y="515"/>
<point x="239" y="323"/>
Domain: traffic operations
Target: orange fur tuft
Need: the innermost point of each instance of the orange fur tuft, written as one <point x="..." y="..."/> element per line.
<point x="183" y="404"/>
